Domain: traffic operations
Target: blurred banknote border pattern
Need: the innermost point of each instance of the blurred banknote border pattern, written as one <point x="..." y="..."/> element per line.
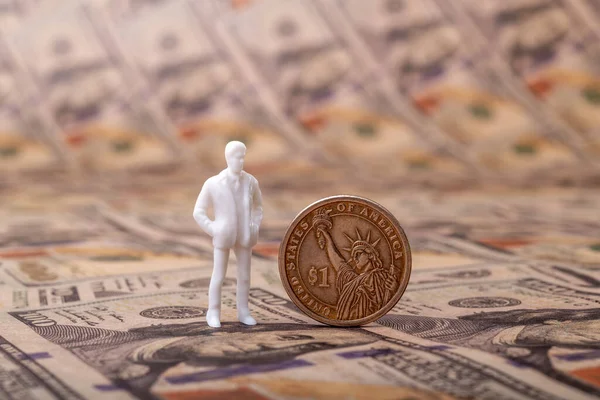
<point x="431" y="91"/>
<point x="475" y="122"/>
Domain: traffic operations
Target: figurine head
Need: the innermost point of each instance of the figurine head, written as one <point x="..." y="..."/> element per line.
<point x="234" y="154"/>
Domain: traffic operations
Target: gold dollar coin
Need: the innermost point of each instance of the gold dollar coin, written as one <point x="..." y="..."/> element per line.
<point x="345" y="261"/>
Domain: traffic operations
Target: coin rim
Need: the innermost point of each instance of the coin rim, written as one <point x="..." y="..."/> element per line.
<point x="355" y="322"/>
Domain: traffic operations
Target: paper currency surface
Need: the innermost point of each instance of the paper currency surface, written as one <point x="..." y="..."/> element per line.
<point x="474" y="122"/>
<point x="493" y="309"/>
<point x="448" y="93"/>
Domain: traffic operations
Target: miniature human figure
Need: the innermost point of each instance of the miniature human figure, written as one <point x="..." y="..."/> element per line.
<point x="237" y="203"/>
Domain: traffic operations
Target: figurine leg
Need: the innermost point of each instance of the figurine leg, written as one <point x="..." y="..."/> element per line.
<point x="243" y="255"/>
<point x="213" y="316"/>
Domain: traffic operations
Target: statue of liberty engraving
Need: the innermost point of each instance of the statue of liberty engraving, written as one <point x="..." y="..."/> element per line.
<point x="364" y="285"/>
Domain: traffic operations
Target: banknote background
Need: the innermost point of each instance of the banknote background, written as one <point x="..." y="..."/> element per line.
<point x="476" y="123"/>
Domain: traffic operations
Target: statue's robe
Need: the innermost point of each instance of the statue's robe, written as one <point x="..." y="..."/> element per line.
<point x="360" y="294"/>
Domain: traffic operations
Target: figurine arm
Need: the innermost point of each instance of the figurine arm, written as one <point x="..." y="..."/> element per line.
<point x="257" y="207"/>
<point x="200" y="210"/>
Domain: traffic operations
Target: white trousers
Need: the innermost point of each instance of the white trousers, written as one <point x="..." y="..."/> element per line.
<point x="221" y="258"/>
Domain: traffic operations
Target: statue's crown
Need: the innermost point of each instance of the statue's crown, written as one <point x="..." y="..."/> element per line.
<point x="361" y="243"/>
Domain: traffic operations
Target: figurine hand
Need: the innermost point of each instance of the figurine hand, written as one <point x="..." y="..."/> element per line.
<point x="254" y="230"/>
<point x="210" y="228"/>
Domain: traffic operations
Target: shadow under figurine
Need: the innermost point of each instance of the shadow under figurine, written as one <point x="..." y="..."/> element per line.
<point x="236" y="200"/>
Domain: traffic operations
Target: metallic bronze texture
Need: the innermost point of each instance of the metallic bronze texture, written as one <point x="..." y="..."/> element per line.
<point x="345" y="261"/>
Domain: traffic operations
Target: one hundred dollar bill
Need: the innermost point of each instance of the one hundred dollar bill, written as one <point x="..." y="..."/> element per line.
<point x="88" y="89"/>
<point x="428" y="58"/>
<point x="550" y="49"/>
<point x="202" y="91"/>
<point x="26" y="142"/>
<point x="158" y="345"/>
<point x="318" y="82"/>
<point x="509" y="309"/>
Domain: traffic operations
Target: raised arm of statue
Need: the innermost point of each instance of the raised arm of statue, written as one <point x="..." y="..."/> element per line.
<point x="335" y="258"/>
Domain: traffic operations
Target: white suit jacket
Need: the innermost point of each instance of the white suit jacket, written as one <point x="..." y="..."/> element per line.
<point x="217" y="193"/>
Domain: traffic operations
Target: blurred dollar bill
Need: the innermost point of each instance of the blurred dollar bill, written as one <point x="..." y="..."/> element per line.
<point x="86" y="86"/>
<point x="60" y="264"/>
<point x="25" y="143"/>
<point x="46" y="246"/>
<point x="98" y="287"/>
<point x="319" y="83"/>
<point x="24" y="226"/>
<point x="203" y="93"/>
<point x="12" y="13"/>
<point x="557" y="226"/>
<point x="430" y="60"/>
<point x="552" y="52"/>
<point x="591" y="8"/>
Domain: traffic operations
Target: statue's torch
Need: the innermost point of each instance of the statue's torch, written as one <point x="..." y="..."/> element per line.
<point x="321" y="221"/>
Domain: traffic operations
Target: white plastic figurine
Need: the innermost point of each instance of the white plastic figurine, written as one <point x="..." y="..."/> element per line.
<point x="237" y="203"/>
